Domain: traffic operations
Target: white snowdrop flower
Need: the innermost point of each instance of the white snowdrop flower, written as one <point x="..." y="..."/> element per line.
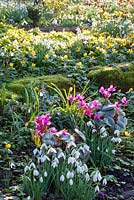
<point x="97" y="189"/>
<point x="69" y="175"/>
<point x="51" y="150"/>
<point x="106" y="150"/>
<point x="62" y="178"/>
<point x="79" y="170"/>
<point x="102" y="130"/>
<point x="94" y="130"/>
<point x="117" y="132"/>
<point x="29" y="110"/>
<point x="28" y="198"/>
<point x="71" y="160"/>
<point x="41" y="179"/>
<point x="87" y="177"/>
<point x="89" y="123"/>
<point x="35" y="151"/>
<point x="71" y="182"/>
<point x="97" y="176"/>
<point x="98" y="148"/>
<point x="45" y="173"/>
<point x="2" y="54"/>
<point x="41" y="94"/>
<point x="61" y="155"/>
<point x="44" y="158"/>
<point x="113" y="151"/>
<point x="35" y="172"/>
<point x="119" y="140"/>
<point x="85" y="168"/>
<point x="34" y="179"/>
<point x="55" y="163"/>
<point x="43" y="146"/>
<point x="26" y="169"/>
<point x="12" y="54"/>
<point x="71" y="144"/>
<point x="77" y="154"/>
<point x="32" y="165"/>
<point x="104" y="135"/>
<point x="86" y="148"/>
<point x="104" y="182"/>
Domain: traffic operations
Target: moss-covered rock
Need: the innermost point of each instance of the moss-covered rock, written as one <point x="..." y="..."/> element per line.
<point x="121" y="75"/>
<point x="60" y="80"/>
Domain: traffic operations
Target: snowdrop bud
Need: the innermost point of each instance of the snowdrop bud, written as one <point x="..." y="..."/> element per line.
<point x="41" y="179"/>
<point x="102" y="130"/>
<point x="28" y="198"/>
<point x="113" y="151"/>
<point x="26" y="169"/>
<point x="35" y="172"/>
<point x="117" y="132"/>
<point x="104" y="182"/>
<point x="89" y="123"/>
<point x="62" y="178"/>
<point x="45" y="173"/>
<point x="41" y="94"/>
<point x="71" y="181"/>
<point x="97" y="189"/>
<point x="87" y="177"/>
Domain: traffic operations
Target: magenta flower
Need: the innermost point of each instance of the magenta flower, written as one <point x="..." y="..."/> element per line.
<point x="88" y="112"/>
<point x="53" y="130"/>
<point x="42" y="123"/>
<point x="95" y="104"/>
<point x="102" y="90"/>
<point x="106" y="94"/>
<point x="64" y="132"/>
<point x="96" y="116"/>
<point x="71" y="98"/>
<point x="102" y="193"/>
<point x="124" y="100"/>
<point x="112" y="88"/>
<point x="117" y="105"/>
<point x="82" y="103"/>
<point x="79" y="97"/>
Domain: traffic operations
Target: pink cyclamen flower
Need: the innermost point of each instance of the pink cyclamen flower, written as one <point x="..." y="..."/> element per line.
<point x="82" y="103"/>
<point x="53" y="130"/>
<point x="88" y="112"/>
<point x="117" y="105"/>
<point x="111" y="88"/>
<point x="42" y="123"/>
<point x="71" y="98"/>
<point x="96" y="116"/>
<point x="102" y="193"/>
<point x="95" y="104"/>
<point x="80" y="97"/>
<point x="102" y="90"/>
<point x="107" y="94"/>
<point x="64" y="132"/>
<point x="124" y="100"/>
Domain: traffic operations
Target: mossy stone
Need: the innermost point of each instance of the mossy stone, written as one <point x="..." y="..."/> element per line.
<point x="59" y="80"/>
<point x="122" y="76"/>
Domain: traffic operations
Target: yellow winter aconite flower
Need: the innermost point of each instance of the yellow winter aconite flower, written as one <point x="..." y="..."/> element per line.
<point x="131" y="89"/>
<point x="37" y="140"/>
<point x="65" y="57"/>
<point x="78" y="49"/>
<point x="33" y="64"/>
<point x="85" y="54"/>
<point x="23" y="62"/>
<point x="79" y="64"/>
<point x="8" y="146"/>
<point x="11" y="64"/>
<point x="46" y="56"/>
<point x="127" y="134"/>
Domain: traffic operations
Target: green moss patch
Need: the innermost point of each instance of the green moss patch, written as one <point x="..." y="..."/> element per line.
<point x="60" y="80"/>
<point x="121" y="75"/>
